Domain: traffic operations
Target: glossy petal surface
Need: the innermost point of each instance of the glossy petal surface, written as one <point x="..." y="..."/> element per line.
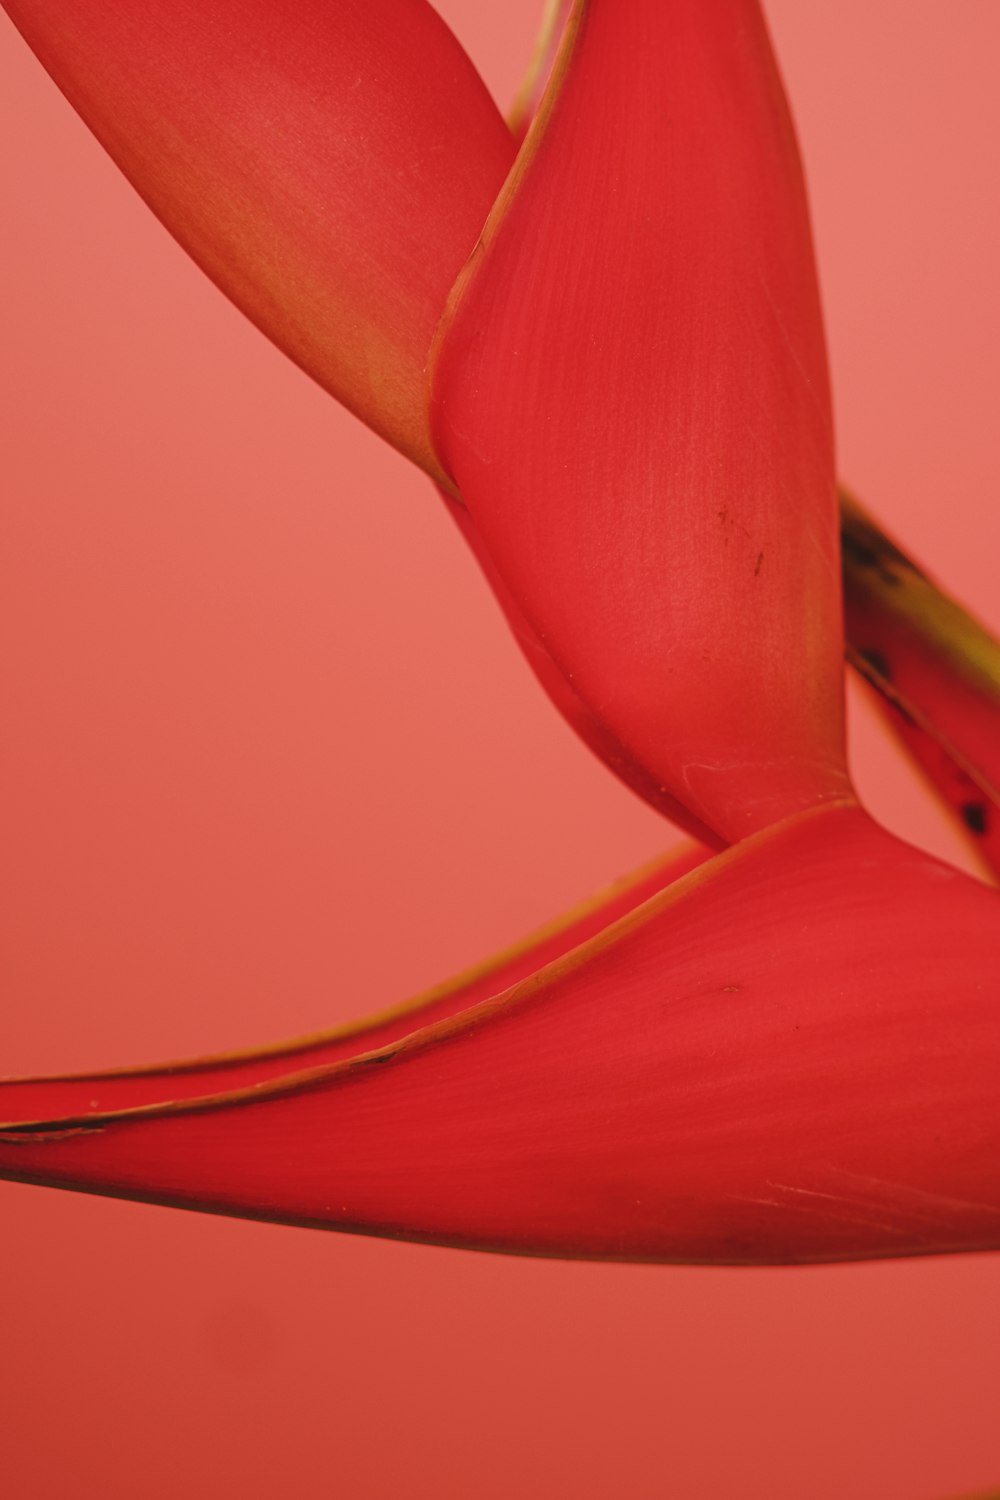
<point x="330" y="165"/>
<point x="789" y="1055"/>
<point x="632" y="398"/>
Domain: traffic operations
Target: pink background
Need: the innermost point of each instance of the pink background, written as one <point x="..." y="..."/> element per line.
<point x="270" y="760"/>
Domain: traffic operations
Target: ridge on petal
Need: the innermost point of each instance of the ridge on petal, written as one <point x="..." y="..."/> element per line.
<point x="89" y="1093"/>
<point x="543" y="59"/>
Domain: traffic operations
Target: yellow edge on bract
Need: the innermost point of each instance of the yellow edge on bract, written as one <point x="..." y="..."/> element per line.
<point x="412" y="1006"/>
<point x="517" y="117"/>
<point x="439" y="1031"/>
<point x="507" y="194"/>
<point x="907" y="707"/>
<point x="990" y="793"/>
<point x="914" y="598"/>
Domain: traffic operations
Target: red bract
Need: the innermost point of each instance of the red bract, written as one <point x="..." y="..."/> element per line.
<point x="613" y="364"/>
<point x="632" y="398"/>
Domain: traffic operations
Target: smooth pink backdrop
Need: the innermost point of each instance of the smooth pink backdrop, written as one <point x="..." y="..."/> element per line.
<point x="269" y="759"/>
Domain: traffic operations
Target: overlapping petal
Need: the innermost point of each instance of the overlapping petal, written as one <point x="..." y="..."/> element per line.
<point x="727" y="1060"/>
<point x="373" y="212"/>
<point x="330" y="165"/>
<point x="632" y="399"/>
<point x="736" y="1072"/>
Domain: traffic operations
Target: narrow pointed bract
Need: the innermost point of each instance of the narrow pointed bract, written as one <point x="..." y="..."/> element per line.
<point x="632" y="399"/>
<point x="731" y="1074"/>
<point x="329" y="165"/>
<point x="937" y="672"/>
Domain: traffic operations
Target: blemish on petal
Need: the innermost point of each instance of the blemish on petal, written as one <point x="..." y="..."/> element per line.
<point x="975" y="816"/>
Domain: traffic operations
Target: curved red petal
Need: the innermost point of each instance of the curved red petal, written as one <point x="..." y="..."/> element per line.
<point x="632" y="398"/>
<point x="330" y="165"/>
<point x="790" y="1055"/>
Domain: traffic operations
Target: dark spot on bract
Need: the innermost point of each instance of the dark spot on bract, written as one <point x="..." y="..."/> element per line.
<point x="865" y="548"/>
<point x="878" y="663"/>
<point x="975" y="817"/>
<point x="860" y="553"/>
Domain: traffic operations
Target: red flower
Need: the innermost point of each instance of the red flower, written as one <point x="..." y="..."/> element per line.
<point x="609" y="354"/>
